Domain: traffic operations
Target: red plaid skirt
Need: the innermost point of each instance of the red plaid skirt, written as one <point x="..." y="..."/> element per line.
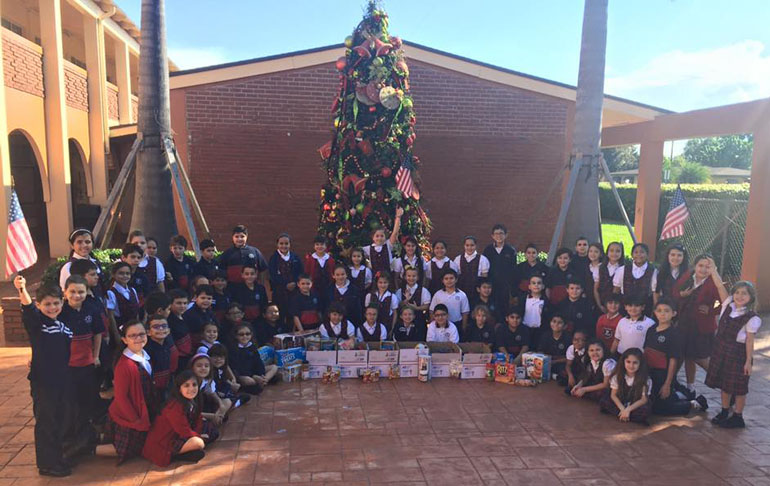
<point x="208" y="429"/>
<point x="726" y="367"/>
<point x="639" y="415"/>
<point x="128" y="442"/>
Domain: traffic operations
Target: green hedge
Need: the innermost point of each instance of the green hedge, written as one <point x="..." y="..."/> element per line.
<point x="627" y="192"/>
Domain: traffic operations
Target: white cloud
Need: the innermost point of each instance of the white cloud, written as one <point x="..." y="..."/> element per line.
<point x="192" y="57"/>
<point x="687" y="80"/>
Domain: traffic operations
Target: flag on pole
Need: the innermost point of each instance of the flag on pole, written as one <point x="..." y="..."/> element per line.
<point x="677" y="214"/>
<point x="404" y="181"/>
<point x="20" y="250"/>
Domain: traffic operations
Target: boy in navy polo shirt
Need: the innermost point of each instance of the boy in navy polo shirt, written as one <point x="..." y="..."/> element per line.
<point x="502" y="268"/>
<point x="555" y="344"/>
<point x="512" y="338"/>
<point x="305" y="306"/>
<point x="49" y="374"/>
<point x="179" y="267"/>
<point x="207" y="265"/>
<point x="132" y="254"/>
<point x="200" y="313"/>
<point x="249" y="293"/>
<point x="578" y="311"/>
<point x="233" y="259"/>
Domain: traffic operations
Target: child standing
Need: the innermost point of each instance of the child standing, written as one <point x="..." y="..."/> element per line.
<point x="558" y="277"/>
<point x="613" y="260"/>
<point x="632" y="330"/>
<point x="305" y="306"/>
<point x="662" y="351"/>
<point x="149" y="269"/>
<point x="386" y="301"/>
<point x="122" y="301"/>
<point x="49" y="375"/>
<point x="179" y="432"/>
<point x="580" y="260"/>
<point x="343" y="292"/>
<point x="82" y="244"/>
<point x="532" y="309"/>
<point x="472" y="265"/>
<point x="407" y="329"/>
<point x="249" y="293"/>
<point x="630" y="388"/>
<point x="529" y="268"/>
<point x="482" y="329"/>
<point x="674" y="266"/>
<point x="248" y="367"/>
<point x="596" y="376"/>
<point x="638" y="278"/>
<point x="132" y="255"/>
<point x="485" y="295"/>
<point x="200" y="313"/>
<point x="595" y="258"/>
<point x="577" y="309"/>
<point x="512" y="338"/>
<point x="164" y="355"/>
<point x="731" y="359"/>
<point x="502" y="268"/>
<point x="320" y="267"/>
<point x="179" y="267"/>
<point x="413" y="293"/>
<point x="608" y="322"/>
<point x="360" y="273"/>
<point x="411" y="258"/>
<point x="438" y="266"/>
<point x="453" y="299"/>
<point x="207" y="265"/>
<point x="380" y="252"/>
<point x="371" y="330"/>
<point x="235" y="257"/>
<point x="180" y="331"/>
<point x="284" y="267"/>
<point x="222" y="300"/>
<point x="441" y="329"/>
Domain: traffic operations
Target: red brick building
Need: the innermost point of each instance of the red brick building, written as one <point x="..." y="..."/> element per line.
<point x="491" y="142"/>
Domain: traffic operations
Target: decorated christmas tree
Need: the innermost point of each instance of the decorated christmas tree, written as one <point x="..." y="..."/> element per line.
<point x="369" y="163"/>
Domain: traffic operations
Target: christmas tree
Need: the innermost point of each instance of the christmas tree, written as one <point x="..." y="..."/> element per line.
<point x="369" y="163"/>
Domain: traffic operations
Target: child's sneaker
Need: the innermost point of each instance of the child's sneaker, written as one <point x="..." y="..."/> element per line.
<point x="721" y="416"/>
<point x="734" y="422"/>
<point x="703" y="403"/>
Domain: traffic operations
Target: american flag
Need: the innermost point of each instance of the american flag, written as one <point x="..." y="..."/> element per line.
<point x="404" y="180"/>
<point x="677" y="214"/>
<point x="20" y="250"/>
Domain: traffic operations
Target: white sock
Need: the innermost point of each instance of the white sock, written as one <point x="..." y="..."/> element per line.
<point x="695" y="405"/>
<point x="691" y="387"/>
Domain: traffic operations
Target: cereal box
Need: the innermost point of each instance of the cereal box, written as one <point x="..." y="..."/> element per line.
<point x="538" y="366"/>
<point x="288" y="357"/>
<point x="291" y="373"/>
<point x="267" y="353"/>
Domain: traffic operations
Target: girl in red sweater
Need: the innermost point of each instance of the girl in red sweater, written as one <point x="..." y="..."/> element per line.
<point x="133" y="407"/>
<point x="179" y="433"/>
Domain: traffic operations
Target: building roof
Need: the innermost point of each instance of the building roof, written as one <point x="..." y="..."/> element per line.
<point x="616" y="110"/>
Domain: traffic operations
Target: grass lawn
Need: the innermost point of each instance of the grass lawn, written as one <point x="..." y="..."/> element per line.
<point x="617" y="232"/>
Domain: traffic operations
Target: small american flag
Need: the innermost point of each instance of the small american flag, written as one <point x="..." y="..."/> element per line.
<point x="677" y="214"/>
<point x="20" y="250"/>
<point x="404" y="181"/>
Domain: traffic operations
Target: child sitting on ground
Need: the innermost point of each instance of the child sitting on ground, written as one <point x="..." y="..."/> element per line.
<point x="247" y="365"/>
<point x="371" y="329"/>
<point x="441" y="329"/>
<point x="512" y="338"/>
<point x="630" y="387"/>
<point x="555" y="344"/>
<point x="596" y="375"/>
<point x="214" y="407"/>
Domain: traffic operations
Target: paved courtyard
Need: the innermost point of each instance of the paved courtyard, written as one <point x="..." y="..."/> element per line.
<point x="441" y="433"/>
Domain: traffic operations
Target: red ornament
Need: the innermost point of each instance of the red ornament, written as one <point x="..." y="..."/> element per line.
<point x="372" y="108"/>
<point x="341" y="63"/>
<point x="327" y="207"/>
<point x="325" y="150"/>
<point x="386" y="172"/>
<point x="365" y="147"/>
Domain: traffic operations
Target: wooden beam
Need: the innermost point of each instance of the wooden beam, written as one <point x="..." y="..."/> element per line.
<point x="193" y="200"/>
<point x="109" y="215"/>
<point x="174" y="165"/>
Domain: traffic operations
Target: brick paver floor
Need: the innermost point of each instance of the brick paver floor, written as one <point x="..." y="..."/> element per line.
<point x="441" y="433"/>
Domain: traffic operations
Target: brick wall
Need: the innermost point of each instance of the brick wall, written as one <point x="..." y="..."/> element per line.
<point x="112" y="102"/>
<point x="76" y="86"/>
<point x="13" y="329"/>
<point x="488" y="151"/>
<point x="22" y="64"/>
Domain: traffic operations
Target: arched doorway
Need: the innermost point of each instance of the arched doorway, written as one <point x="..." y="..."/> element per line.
<point x="25" y="171"/>
<point x="83" y="214"/>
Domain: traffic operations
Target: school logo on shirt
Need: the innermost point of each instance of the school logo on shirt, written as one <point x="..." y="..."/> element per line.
<point x="485" y="335"/>
<point x="251" y="255"/>
<point x="607" y="333"/>
<point x="561" y="346"/>
<point x="661" y="339"/>
<point x="457" y="297"/>
<point x="315" y="300"/>
<point x="640" y="327"/>
<point x="518" y="338"/>
<point x="579" y="315"/>
<point x="88" y="319"/>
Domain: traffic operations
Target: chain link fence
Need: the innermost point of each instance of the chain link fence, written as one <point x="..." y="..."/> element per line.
<point x="715" y="226"/>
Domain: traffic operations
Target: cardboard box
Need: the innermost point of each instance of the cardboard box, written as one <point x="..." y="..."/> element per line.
<point x="474" y="372"/>
<point x="351" y="371"/>
<point x="407" y="352"/>
<point x="358" y="356"/>
<point x="291" y="373"/>
<point x="538" y="366"/>
<point x="442" y="354"/>
<point x="267" y="353"/>
<point x="476" y="353"/>
<point x="383" y="368"/>
<point x="383" y="353"/>
<point x="288" y="357"/>
<point x="321" y="358"/>
<point x="407" y="370"/>
<point x="505" y="373"/>
<point x="294" y="339"/>
<point x="317" y="343"/>
<point x="316" y="372"/>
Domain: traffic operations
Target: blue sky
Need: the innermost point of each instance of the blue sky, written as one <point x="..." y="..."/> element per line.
<point x="676" y="54"/>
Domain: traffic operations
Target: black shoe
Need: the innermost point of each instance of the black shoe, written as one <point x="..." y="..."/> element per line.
<point x="734" y="422"/>
<point x="56" y="472"/>
<point x="704" y="404"/>
<point x="732" y="400"/>
<point x="721" y="416"/>
<point x="192" y="456"/>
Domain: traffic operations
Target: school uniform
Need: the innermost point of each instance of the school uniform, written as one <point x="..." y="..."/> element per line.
<point x="206" y="268"/>
<point x="534" y="316"/>
<point x="283" y="270"/>
<point x="387" y="304"/>
<point x="606" y="276"/>
<point x="605" y="329"/>
<point x="148" y="274"/>
<point x="205" y="346"/>
<point x="485" y="334"/>
<point x="436" y="271"/>
<point x="175" y="425"/>
<point x="64" y="273"/>
<point x="471" y="268"/>
<point x="196" y="318"/>
<point x="219" y="305"/>
<point x="578" y="358"/>
<point x="253" y="300"/>
<point x="627" y="397"/>
<point x="659" y="348"/>
<point x="402" y="333"/>
<point x="512" y="341"/>
<point x="495" y="307"/>
<point x="729" y="352"/>
<point x="321" y="272"/>
<point x="165" y="362"/>
<point x="555" y="348"/>
<point x="343" y="330"/>
<point x="50" y="380"/>
<point x="105" y="352"/>
<point x="637" y="281"/>
<point x="697" y="316"/>
<point x="594" y="373"/>
<point x="348" y="296"/>
<point x="418" y="296"/>
<point x="361" y="278"/>
<point x="579" y="315"/>
<point x="502" y="273"/>
<point x="85" y="323"/>
<point x="264" y="331"/>
<point x="182" y="272"/>
<point x="133" y="407"/>
<point x="225" y="390"/>
<point x="307" y="308"/>
<point x="525" y="271"/>
<point x="631" y="334"/>
<point x="180" y="332"/>
<point x="399" y="265"/>
<point x="379" y="256"/>
<point x="665" y="283"/>
<point x="377" y="332"/>
<point x="124" y="304"/>
<point x="556" y="283"/>
<point x="446" y="334"/>
<point x="246" y="361"/>
<point x="233" y="259"/>
<point x="456" y="303"/>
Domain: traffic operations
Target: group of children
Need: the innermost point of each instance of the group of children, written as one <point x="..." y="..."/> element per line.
<point x="177" y="341"/>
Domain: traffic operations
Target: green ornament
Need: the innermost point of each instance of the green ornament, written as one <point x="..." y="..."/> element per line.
<point x="360" y="207"/>
<point x="349" y="41"/>
<point x="377" y="61"/>
<point x="407" y="103"/>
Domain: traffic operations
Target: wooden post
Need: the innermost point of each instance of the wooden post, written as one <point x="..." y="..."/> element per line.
<point x="648" y="193"/>
<point x="756" y="258"/>
<point x="573" y="175"/>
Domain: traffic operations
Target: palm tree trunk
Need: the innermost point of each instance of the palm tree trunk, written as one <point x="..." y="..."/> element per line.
<point x="153" y="210"/>
<point x="583" y="215"/>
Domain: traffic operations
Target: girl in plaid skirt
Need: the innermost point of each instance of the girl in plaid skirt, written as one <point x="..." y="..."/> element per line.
<point x="731" y="357"/>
